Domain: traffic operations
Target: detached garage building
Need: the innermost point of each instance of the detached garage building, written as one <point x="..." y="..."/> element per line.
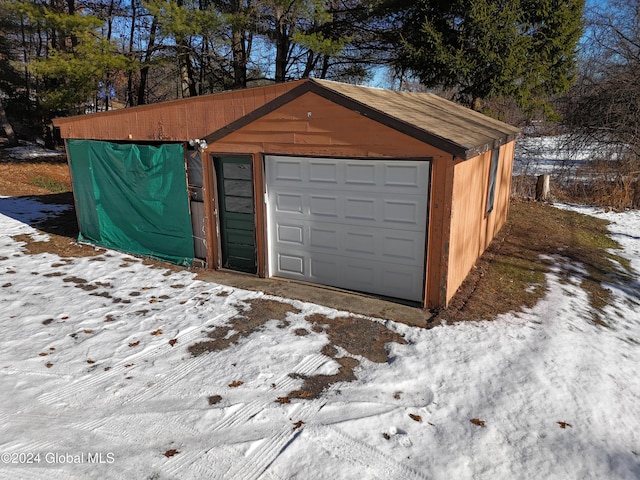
<point x="389" y="193"/>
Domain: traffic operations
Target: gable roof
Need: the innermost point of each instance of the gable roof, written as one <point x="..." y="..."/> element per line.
<point x="446" y="125"/>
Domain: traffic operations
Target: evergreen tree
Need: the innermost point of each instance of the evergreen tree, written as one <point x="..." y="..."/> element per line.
<point x="483" y="49"/>
<point x="9" y="78"/>
<point x="77" y="57"/>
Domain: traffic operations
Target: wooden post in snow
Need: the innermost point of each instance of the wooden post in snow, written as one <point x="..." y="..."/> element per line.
<point x="542" y="188"/>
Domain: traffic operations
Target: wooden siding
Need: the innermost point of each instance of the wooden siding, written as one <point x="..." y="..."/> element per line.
<point x="178" y="120"/>
<point x="471" y="228"/>
<point x="442" y="171"/>
<point x="312" y="125"/>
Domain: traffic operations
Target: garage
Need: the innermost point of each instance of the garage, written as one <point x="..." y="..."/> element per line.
<point x="349" y="223"/>
<point x="387" y="193"/>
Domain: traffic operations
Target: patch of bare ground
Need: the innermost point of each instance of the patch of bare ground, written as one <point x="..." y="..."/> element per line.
<point x="511" y="273"/>
<point x="61" y="245"/>
<point x="314" y="385"/>
<point x="256" y="313"/>
<point x="21" y="178"/>
<point x="358" y="336"/>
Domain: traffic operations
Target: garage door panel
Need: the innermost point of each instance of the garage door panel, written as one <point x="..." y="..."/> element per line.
<point x="360" y="243"/>
<point x="290" y="234"/>
<point x="371" y="244"/>
<point x="402" y="175"/>
<point x="326" y="206"/>
<point x="289" y="202"/>
<point x="323" y="172"/>
<point x="291" y="264"/>
<point x="397" y="176"/>
<point x="323" y="238"/>
<point x="287" y="170"/>
<point x="402" y="248"/>
<point x="405" y="211"/>
<point x="354" y="224"/>
<point x="360" y="208"/>
<point x="359" y="174"/>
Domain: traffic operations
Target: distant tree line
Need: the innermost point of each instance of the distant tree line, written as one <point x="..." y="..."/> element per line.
<point x="62" y="57"/>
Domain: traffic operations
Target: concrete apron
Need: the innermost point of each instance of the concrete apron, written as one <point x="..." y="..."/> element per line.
<point x="330" y="297"/>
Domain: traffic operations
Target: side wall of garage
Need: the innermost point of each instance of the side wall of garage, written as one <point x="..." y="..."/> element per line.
<point x="472" y="226"/>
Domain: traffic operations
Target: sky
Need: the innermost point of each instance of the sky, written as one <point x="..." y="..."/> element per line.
<point x="97" y="380"/>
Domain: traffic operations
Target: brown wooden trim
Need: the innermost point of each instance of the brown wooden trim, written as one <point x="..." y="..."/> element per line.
<point x="439" y="233"/>
<point x="259" y="195"/>
<point x="211" y="220"/>
<point x="427" y="240"/>
<point x="73" y="190"/>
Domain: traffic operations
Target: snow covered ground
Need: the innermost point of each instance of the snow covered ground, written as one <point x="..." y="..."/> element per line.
<point x="30" y="151"/>
<point x="553" y="155"/>
<point x="96" y="381"/>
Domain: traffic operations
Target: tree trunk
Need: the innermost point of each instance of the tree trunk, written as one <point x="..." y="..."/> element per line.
<point x="132" y="31"/>
<point x="282" y="46"/>
<point x="239" y="50"/>
<point x="144" y="71"/>
<point x="8" y="129"/>
<point x="186" y="70"/>
<point x="542" y="188"/>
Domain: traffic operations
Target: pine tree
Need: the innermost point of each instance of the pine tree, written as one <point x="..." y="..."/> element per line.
<point x="77" y="57"/>
<point x="9" y="77"/>
<point x="483" y="49"/>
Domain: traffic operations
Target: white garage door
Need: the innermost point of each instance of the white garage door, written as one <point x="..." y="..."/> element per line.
<point x="353" y="224"/>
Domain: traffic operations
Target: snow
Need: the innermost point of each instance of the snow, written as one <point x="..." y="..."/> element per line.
<point x="554" y="155"/>
<point x="32" y="151"/>
<point x="92" y="387"/>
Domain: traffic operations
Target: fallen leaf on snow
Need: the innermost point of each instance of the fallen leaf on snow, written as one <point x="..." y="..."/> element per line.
<point x="417" y="418"/>
<point x="134" y="344"/>
<point x="284" y="400"/>
<point x="49" y="365"/>
<point x="171" y="453"/>
<point x="236" y="383"/>
<point x="157" y="332"/>
<point x="564" y="424"/>
<point x="43" y="354"/>
<point x="89" y="361"/>
<point x="173" y="341"/>
<point x="477" y="422"/>
<point x="298" y="424"/>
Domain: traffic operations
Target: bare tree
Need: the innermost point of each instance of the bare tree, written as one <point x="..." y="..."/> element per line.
<point x="603" y="107"/>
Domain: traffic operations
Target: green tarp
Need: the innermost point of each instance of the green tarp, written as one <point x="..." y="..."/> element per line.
<point x="133" y="198"/>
